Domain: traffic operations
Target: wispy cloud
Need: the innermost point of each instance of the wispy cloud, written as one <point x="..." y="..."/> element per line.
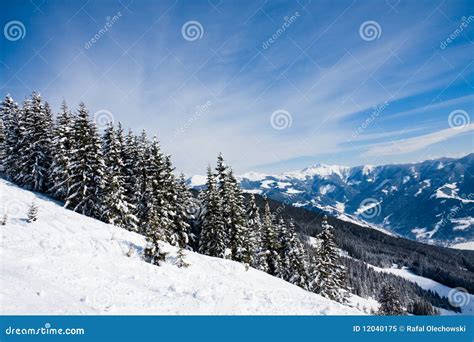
<point x="416" y="143"/>
<point x="319" y="70"/>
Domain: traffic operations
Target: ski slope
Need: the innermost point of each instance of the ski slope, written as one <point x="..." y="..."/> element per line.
<point x="466" y="299"/>
<point x="66" y="263"/>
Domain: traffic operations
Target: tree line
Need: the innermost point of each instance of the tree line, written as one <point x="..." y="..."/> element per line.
<point x="126" y="180"/>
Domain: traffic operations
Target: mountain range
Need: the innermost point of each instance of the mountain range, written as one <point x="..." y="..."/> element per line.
<point x="430" y="201"/>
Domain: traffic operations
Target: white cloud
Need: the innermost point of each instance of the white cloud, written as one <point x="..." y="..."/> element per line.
<point x="415" y="143"/>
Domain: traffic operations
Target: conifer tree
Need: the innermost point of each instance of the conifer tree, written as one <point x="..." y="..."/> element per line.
<point x="224" y="192"/>
<point x="144" y="205"/>
<point x="4" y="219"/>
<point x="212" y="239"/>
<point x="330" y="277"/>
<point x="87" y="167"/>
<point x="32" y="212"/>
<point x="239" y="238"/>
<point x="389" y="302"/>
<point x="153" y="253"/>
<point x="254" y="224"/>
<point x="180" y="260"/>
<point x="159" y="179"/>
<point x="181" y="227"/>
<point x="297" y="273"/>
<point x="2" y="143"/>
<point x="131" y="173"/>
<point x="283" y="249"/>
<point x="271" y="258"/>
<point x="116" y="210"/>
<point x="12" y="118"/>
<point x="61" y="153"/>
<point x="35" y="159"/>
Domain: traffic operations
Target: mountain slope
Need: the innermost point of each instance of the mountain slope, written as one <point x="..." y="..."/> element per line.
<point x="431" y="201"/>
<point x="66" y="263"/>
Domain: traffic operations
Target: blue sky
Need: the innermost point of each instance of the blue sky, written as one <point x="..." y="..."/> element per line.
<point x="274" y="85"/>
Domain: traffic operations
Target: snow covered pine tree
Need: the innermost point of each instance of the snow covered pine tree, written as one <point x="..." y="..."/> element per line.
<point x="389" y="302"/>
<point x="330" y="274"/>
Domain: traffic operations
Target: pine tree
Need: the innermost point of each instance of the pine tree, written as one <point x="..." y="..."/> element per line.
<point x="61" y="153"/>
<point x="153" y="253"/>
<point x="116" y="209"/>
<point x="4" y="219"/>
<point x="254" y="225"/>
<point x="330" y="277"/>
<point x="144" y="204"/>
<point x="12" y="120"/>
<point x="87" y="167"/>
<point x="131" y="173"/>
<point x="389" y="302"/>
<point x="32" y="212"/>
<point x="180" y="261"/>
<point x="239" y="237"/>
<point x="224" y="192"/>
<point x="297" y="273"/>
<point x="35" y="159"/>
<point x="270" y="246"/>
<point x="2" y="144"/>
<point x="212" y="240"/>
<point x="181" y="227"/>
<point x="283" y="249"/>
<point x="158" y="181"/>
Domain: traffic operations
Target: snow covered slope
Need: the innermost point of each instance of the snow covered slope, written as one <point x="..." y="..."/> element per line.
<point x="428" y="284"/>
<point x="66" y="263"/>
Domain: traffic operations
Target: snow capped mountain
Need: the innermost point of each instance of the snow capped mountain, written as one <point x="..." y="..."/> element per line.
<point x="430" y="201"/>
<point x="67" y="263"/>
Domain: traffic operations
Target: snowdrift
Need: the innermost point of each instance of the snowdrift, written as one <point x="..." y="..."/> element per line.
<point x="66" y="263"/>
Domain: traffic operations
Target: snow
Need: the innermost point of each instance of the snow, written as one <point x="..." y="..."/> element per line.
<point x="66" y="263"/>
<point x="253" y="191"/>
<point x="428" y="284"/>
<point x="322" y="170"/>
<point x="464" y="245"/>
<point x="463" y="223"/>
<point x="425" y="184"/>
<point x="266" y="184"/>
<point x="253" y="176"/>
<point x="197" y="180"/>
<point x="325" y="189"/>
<point x="283" y="185"/>
<point x="293" y="191"/>
<point x="450" y="190"/>
<point x="341" y="207"/>
<point x="367" y="169"/>
<point x="367" y="305"/>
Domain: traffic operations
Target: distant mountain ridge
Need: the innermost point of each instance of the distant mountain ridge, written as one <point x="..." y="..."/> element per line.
<point x="430" y="201"/>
